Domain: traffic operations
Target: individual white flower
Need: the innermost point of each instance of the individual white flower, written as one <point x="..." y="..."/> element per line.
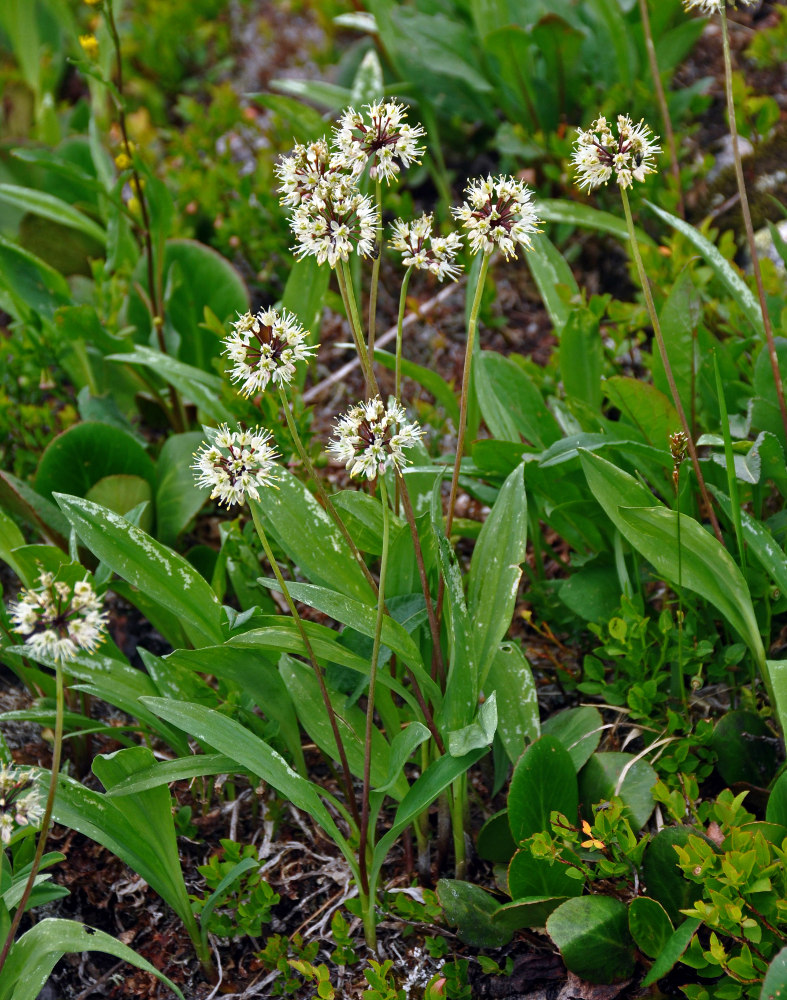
<point x="265" y="348"/>
<point x="16" y="809"/>
<point x="303" y="170"/>
<point x="371" y="437"/>
<point x="335" y="221"/>
<point x="58" y="620"/>
<point x="599" y="153"/>
<point x="498" y="212"/>
<point x="420" y="249"/>
<point x="714" y="6"/>
<point x="380" y="137"/>
<point x="236" y="463"/>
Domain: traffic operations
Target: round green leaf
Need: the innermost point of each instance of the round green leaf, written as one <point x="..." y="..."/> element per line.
<point x="529" y="876"/>
<point x="774" y="986"/>
<point x="544" y="780"/>
<point x="593" y="937"/>
<point x="82" y="455"/>
<point x="776" y="811"/>
<point x="122" y="493"/>
<point x="600" y="780"/>
<point x="578" y="729"/>
<point x="650" y="926"/>
<point x="495" y="842"/>
<point x="663" y="879"/>
<point x="470" y="908"/>
<point x="745" y="748"/>
<point x="531" y="912"/>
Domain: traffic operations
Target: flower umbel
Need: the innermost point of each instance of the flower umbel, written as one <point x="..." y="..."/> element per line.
<point x="714" y="6"/>
<point x="265" y="348"/>
<point x="371" y="437"/>
<point x="379" y="137"/>
<point x="599" y="153"/>
<point x="336" y="220"/>
<point x="421" y="250"/>
<point x="17" y="809"/>
<point x="236" y="463"/>
<point x="58" y="620"/>
<point x="303" y="170"/>
<point x="498" y="212"/>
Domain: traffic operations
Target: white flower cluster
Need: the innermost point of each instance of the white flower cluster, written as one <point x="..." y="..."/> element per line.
<point x="16" y="809"/>
<point x="714" y="6"/>
<point x="371" y="437"/>
<point x="58" y="620"/>
<point x="380" y="137"/>
<point x="426" y="252"/>
<point x="265" y="348"/>
<point x="498" y="212"/>
<point x="599" y="153"/>
<point x="335" y="221"/>
<point x="303" y="171"/>
<point x="236" y="463"/>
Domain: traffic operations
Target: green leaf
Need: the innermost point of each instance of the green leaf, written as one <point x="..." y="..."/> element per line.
<point x="178" y="499"/>
<point x="761" y="542"/>
<point x="363" y="517"/>
<point x="479" y="733"/>
<point x="544" y="780"/>
<point x="495" y="842"/>
<point x="744" y="747"/>
<point x="593" y="937"/>
<point x="650" y="926"/>
<point x="542" y="877"/>
<point x="776" y="811"/>
<point x="510" y="678"/>
<point x="255" y="755"/>
<point x="470" y="908"/>
<point x="32" y="958"/>
<point x="30" y="285"/>
<point x="495" y="571"/>
<point x="663" y="878"/>
<point x="166" y="771"/>
<point x="774" y="986"/>
<point x="511" y="404"/>
<point x="145" y="563"/>
<point x="549" y="269"/>
<point x="11" y="538"/>
<point x="725" y="271"/>
<point x="49" y="207"/>
<point x="581" y="358"/>
<point x="19" y="498"/>
<point x="529" y="911"/>
<point x="425" y="377"/>
<point x="575" y="213"/>
<point x="673" y="949"/>
<point x="578" y="729"/>
<point x="645" y="406"/>
<point x="138" y="828"/>
<point x="680" y="316"/>
<point x="310" y="538"/>
<point x="608" y="774"/>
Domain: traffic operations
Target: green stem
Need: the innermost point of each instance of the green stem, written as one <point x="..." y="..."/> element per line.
<point x="458" y="809"/>
<point x="378" y="197"/>
<point x="679" y="680"/>
<point x="321" y="493"/>
<point x="472" y="326"/>
<point x="747" y="223"/>
<point x="729" y="461"/>
<point x="365" y="839"/>
<point x="662" y="101"/>
<point x="654" y="319"/>
<point x="57" y="755"/>
<point x="399" y="326"/>
<point x="348" y="297"/>
<point x="348" y="785"/>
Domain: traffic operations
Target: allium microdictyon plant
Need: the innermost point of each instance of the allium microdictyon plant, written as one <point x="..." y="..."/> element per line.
<point x="236" y="463"/>
<point x="371" y="437"/>
<point x="17" y="809"/>
<point x="714" y="6"/>
<point x="335" y="221"/>
<point x="599" y="153"/>
<point x="422" y="250"/>
<point x="498" y="212"/>
<point x="265" y="348"/>
<point x="58" y="619"/>
<point x="377" y="135"/>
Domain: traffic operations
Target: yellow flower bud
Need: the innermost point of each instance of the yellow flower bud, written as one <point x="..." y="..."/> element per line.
<point x="122" y="161"/>
<point x="89" y="45"/>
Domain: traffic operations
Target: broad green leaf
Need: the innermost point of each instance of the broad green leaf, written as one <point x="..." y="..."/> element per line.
<point x="255" y="755"/>
<point x="495" y="842"/>
<point x="531" y="876"/>
<point x="32" y="958"/>
<point x="743" y="744"/>
<point x="544" y="780"/>
<point x="402" y="748"/>
<point x="470" y="909"/>
<point x="11" y="538"/>
<point x="19" y="498"/>
<point x="511" y="679"/>
<point x="645" y="406"/>
<point x="680" y="316"/>
<point x="310" y="538"/>
<point x="495" y="571"/>
<point x="762" y="545"/>
<point x="138" y="828"/>
<point x="166" y="771"/>
<point x="672" y="951"/>
<point x="774" y="985"/>
<point x="581" y="358"/>
<point x="593" y="937"/>
<point x="479" y="733"/>
<point x="368" y="83"/>
<point x="49" y="207"/>
<point x="608" y="774"/>
<point x="776" y="811"/>
<point x="178" y="499"/>
<point x="147" y="564"/>
<point x="426" y="377"/>
<point x="363" y="517"/>
<point x="663" y="878"/>
<point x="28" y="285"/>
<point x="511" y="404"/>
<point x="325" y="95"/>
<point x="707" y="568"/>
<point x="202" y="388"/>
<point x="578" y="729"/>
<point x="549" y="270"/>
<point x="574" y="212"/>
<point x="725" y="271"/>
<point x="650" y="926"/>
